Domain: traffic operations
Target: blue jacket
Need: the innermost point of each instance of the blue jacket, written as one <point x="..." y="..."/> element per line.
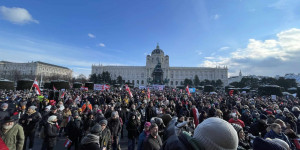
<point x="282" y="136"/>
<point x="142" y="138"/>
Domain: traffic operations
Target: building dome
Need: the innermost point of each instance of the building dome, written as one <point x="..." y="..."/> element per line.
<point x="157" y="50"/>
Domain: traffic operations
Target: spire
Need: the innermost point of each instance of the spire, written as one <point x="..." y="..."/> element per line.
<point x="240" y="74"/>
<point x="157" y="47"/>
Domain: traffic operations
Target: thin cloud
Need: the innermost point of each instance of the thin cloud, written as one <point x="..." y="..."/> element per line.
<point x="91" y="35"/>
<point x="16" y="15"/>
<point x="224" y="48"/>
<point x="198" y="52"/>
<point x="216" y="16"/>
<point x="101" y="45"/>
<point x="268" y="57"/>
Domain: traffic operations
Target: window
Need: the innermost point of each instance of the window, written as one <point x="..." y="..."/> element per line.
<point x="132" y="81"/>
<point x="142" y="81"/>
<point x="171" y="82"/>
<point x="137" y="81"/>
<point x="176" y="82"/>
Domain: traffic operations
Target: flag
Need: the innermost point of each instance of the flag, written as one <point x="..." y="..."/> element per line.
<point x="180" y="90"/>
<point x="54" y="88"/>
<point x="128" y="90"/>
<point x="148" y="93"/>
<point x="231" y="92"/>
<point x="188" y="90"/>
<point x="84" y="88"/>
<point x="67" y="143"/>
<point x="63" y="94"/>
<point x="37" y="88"/>
<point x="3" y="145"/>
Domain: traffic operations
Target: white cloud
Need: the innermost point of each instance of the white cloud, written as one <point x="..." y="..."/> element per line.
<point x="91" y="35"/>
<point x="216" y="16"/>
<point x="224" y="48"/>
<point x="101" y="44"/>
<point x="198" y="52"/>
<point x="268" y="57"/>
<point x="16" y="15"/>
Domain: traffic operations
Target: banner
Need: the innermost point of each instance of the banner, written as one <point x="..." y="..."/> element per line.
<point x="192" y="90"/>
<point x="273" y="97"/>
<point x="101" y="87"/>
<point x="84" y="88"/>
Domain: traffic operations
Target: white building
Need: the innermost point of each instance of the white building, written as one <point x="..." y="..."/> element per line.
<point x="32" y="69"/>
<point x="235" y="78"/>
<point x="158" y="71"/>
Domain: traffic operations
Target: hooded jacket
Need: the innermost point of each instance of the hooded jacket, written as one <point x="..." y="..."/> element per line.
<point x="90" y="142"/>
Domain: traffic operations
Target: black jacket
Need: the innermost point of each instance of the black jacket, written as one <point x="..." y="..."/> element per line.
<point x="30" y="126"/>
<point x="50" y="132"/>
<point x="74" y="129"/>
<point x="114" y="126"/>
<point x="3" y="114"/>
<point x="132" y="128"/>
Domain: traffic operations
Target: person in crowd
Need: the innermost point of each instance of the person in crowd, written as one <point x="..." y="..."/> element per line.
<point x="105" y="138"/>
<point x="29" y="122"/>
<point x="51" y="130"/>
<point x="115" y="128"/>
<point x="87" y="107"/>
<point x="145" y="133"/>
<point x="3" y="111"/>
<point x="132" y="128"/>
<point x="91" y="140"/>
<point x="235" y="119"/>
<point x="243" y="143"/>
<point x="259" y="128"/>
<point x="12" y="133"/>
<point x="276" y="132"/>
<point x="66" y="117"/>
<point x="74" y="131"/>
<point x="150" y="111"/>
<point x="89" y="122"/>
<point x="212" y="134"/>
<point x="153" y="141"/>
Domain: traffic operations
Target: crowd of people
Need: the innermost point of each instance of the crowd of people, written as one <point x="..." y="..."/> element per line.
<point x="168" y="119"/>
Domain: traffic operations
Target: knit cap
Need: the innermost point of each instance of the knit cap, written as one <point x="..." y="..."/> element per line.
<point x="32" y="107"/>
<point x="52" y="118"/>
<point x="281" y="143"/>
<point x="96" y="128"/>
<point x="216" y="134"/>
<point x="237" y="127"/>
<point x="103" y="121"/>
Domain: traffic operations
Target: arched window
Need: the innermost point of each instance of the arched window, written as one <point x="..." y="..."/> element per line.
<point x="142" y="81"/>
<point x="171" y="82"/>
<point x="137" y="81"/>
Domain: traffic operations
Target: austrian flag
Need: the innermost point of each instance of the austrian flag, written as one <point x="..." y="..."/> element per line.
<point x="128" y="90"/>
<point x="188" y="90"/>
<point x="37" y="88"/>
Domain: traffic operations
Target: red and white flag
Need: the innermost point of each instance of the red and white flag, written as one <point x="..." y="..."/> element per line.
<point x="63" y="94"/>
<point x="148" y="93"/>
<point x="37" y="88"/>
<point x="128" y="90"/>
<point x="180" y="91"/>
<point x="188" y="90"/>
<point x="54" y="88"/>
<point x="67" y="143"/>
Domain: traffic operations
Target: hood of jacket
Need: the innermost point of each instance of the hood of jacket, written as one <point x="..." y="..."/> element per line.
<point x="90" y="138"/>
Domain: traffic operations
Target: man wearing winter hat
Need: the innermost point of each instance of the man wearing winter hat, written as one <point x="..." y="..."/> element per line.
<point x="12" y="133"/>
<point x="30" y="121"/>
<point x="3" y="111"/>
<point x="259" y="128"/>
<point x="104" y="135"/>
<point x="75" y="130"/>
<point x="50" y="131"/>
<point x="91" y="141"/>
<point x="153" y="142"/>
<point x="216" y="134"/>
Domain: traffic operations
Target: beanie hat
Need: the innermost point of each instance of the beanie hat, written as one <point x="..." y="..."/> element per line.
<point x="52" y="118"/>
<point x="147" y="124"/>
<point x="96" y="128"/>
<point x="114" y="114"/>
<point x="103" y="121"/>
<point x="48" y="107"/>
<point x="281" y="143"/>
<point x="237" y="127"/>
<point x="75" y="114"/>
<point x="260" y="143"/>
<point x="32" y="107"/>
<point x="262" y="116"/>
<point x="216" y="134"/>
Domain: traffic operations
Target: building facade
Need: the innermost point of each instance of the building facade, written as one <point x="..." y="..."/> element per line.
<point x="8" y="70"/>
<point x="158" y="71"/>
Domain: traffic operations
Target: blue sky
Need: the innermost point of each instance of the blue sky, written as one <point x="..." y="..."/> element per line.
<point x="260" y="37"/>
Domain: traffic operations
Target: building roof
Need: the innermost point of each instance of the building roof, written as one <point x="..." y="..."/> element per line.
<point x="157" y="50"/>
<point x="50" y="64"/>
